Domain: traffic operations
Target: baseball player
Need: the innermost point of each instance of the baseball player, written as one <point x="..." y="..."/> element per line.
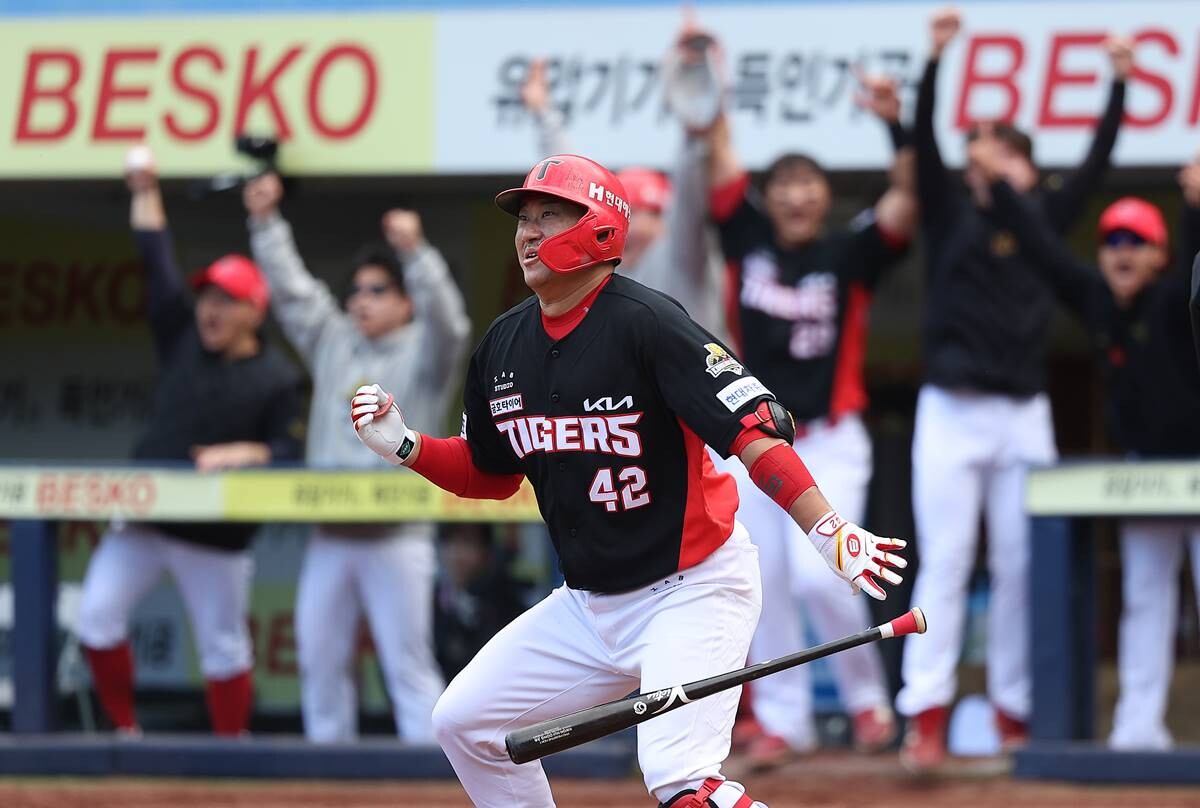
<point x="603" y="394"/>
<point x="1133" y="307"/>
<point x="669" y="246"/>
<point x="982" y="414"/>
<point x="224" y="400"/>
<point x="403" y="320"/>
<point x="802" y="293"/>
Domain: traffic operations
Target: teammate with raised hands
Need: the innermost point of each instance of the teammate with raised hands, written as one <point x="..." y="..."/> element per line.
<point x="603" y="393"/>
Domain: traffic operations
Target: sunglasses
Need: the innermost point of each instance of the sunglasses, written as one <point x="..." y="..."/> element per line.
<point x="373" y="289"/>
<point x="1119" y="238"/>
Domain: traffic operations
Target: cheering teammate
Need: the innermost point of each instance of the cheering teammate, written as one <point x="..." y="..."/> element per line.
<point x="403" y="321"/>
<point x="1134" y="307"/>
<point x="982" y="414"/>
<point x="603" y="393"/>
<point x="802" y="294"/>
<point x="224" y="400"/>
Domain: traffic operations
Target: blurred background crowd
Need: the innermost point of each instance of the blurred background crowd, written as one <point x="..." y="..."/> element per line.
<point x="957" y="244"/>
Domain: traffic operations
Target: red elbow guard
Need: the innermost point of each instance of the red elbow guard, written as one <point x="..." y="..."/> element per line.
<point x="781" y="474"/>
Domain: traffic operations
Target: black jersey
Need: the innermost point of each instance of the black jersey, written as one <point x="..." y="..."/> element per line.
<point x="609" y="425"/>
<point x="800" y="315"/>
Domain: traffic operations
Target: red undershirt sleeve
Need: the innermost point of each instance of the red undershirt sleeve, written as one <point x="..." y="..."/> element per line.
<point x="779" y="471"/>
<point x="447" y="463"/>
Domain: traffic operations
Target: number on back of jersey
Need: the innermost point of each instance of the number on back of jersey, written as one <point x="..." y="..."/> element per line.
<point x="626" y="491"/>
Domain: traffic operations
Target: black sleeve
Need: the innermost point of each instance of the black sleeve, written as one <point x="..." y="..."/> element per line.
<point x="868" y="254"/>
<point x="933" y="181"/>
<point x="1195" y="305"/>
<point x="1077" y="285"/>
<point x="743" y="227"/>
<point x="488" y="450"/>
<point x="167" y="307"/>
<point x="285" y="426"/>
<point x="700" y="379"/>
<point x="1064" y="204"/>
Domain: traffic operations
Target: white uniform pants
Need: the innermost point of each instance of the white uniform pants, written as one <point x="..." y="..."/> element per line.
<point x="839" y="458"/>
<point x="391" y="579"/>
<point x="576" y="649"/>
<point x="971" y="452"/>
<point x="214" y="585"/>
<point x="1151" y="555"/>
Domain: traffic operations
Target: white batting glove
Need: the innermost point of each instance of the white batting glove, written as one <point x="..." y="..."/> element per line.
<point x="380" y="425"/>
<point x="857" y="555"/>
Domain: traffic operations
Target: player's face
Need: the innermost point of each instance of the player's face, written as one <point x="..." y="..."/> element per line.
<point x="645" y="225"/>
<point x="1128" y="262"/>
<point x="222" y="321"/>
<point x="539" y="218"/>
<point x="375" y="304"/>
<point x="797" y="204"/>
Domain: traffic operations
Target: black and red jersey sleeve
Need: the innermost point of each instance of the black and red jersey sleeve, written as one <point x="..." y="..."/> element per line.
<point x="700" y="379"/>
<point x="870" y="252"/>
<point x="741" y="221"/>
<point x="488" y="449"/>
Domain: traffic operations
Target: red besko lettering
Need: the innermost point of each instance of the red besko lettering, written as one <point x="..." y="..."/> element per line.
<point x="601" y="434"/>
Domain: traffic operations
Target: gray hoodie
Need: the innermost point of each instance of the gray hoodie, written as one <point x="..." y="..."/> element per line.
<point x="418" y="363"/>
<point x="685" y="261"/>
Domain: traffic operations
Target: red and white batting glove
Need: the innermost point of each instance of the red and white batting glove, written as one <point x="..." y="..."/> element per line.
<point x="857" y="555"/>
<point x="380" y="425"/>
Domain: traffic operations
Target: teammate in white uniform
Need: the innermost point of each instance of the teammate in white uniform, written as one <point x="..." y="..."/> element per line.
<point x="983" y="416"/>
<point x="403" y="321"/>
<point x="802" y="296"/>
<point x="604" y="393"/>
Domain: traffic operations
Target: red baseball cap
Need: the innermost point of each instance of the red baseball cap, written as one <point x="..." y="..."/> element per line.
<point x="239" y="277"/>
<point x="647" y="190"/>
<point x="1137" y="216"/>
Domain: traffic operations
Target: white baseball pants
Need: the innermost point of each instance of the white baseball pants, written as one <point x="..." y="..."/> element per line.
<point x="971" y="452"/>
<point x="1151" y="556"/>
<point x="214" y="585"/>
<point x="576" y="649"/>
<point x="391" y="579"/>
<point x="839" y="458"/>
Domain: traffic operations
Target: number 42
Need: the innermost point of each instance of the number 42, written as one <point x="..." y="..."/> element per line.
<point x="632" y="493"/>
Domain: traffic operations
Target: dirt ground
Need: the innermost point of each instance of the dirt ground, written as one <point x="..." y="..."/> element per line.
<point x="827" y="781"/>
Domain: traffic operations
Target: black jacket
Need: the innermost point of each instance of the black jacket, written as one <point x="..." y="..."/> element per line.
<point x="987" y="309"/>
<point x="203" y="399"/>
<point x="1153" y="380"/>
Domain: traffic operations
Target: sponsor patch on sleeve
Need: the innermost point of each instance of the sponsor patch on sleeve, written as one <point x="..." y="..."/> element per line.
<point x="735" y="394"/>
<point x="719" y="361"/>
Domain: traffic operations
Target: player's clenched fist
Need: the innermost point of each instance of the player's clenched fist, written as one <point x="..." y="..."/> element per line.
<point x="380" y="425"/>
<point x="857" y="555"/>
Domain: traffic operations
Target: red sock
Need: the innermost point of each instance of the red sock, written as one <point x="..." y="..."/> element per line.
<point x="112" y="675"/>
<point x="229" y="703"/>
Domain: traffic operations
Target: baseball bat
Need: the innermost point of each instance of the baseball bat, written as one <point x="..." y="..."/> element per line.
<point x="568" y="731"/>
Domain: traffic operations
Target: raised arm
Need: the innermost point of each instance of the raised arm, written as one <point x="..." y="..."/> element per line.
<point x="933" y="181"/>
<point x="1064" y="204"/>
<point x="896" y="210"/>
<point x="535" y="94"/>
<point x="304" y="306"/>
<point x="167" y="308"/>
<point x="438" y="307"/>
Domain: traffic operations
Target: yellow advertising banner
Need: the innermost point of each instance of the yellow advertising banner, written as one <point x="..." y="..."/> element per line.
<point x="33" y="492"/>
<point x="344" y="94"/>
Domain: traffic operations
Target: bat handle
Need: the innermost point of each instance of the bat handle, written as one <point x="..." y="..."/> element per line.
<point x="911" y="622"/>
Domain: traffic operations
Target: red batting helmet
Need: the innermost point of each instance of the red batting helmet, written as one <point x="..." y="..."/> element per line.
<point x="599" y="235"/>
<point x="647" y="189"/>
